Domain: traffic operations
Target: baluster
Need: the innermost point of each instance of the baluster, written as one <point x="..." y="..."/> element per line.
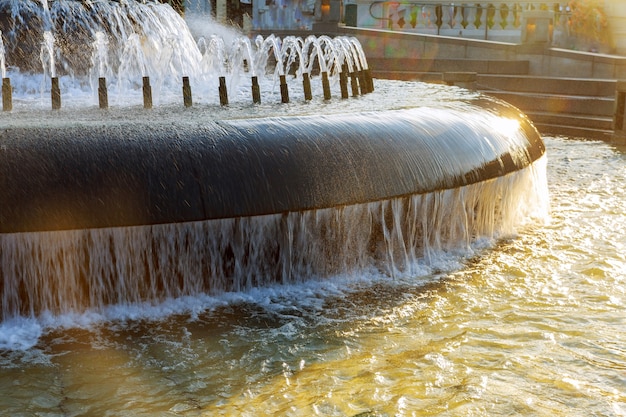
<point x="438" y="17"/>
<point x="504" y="15"/>
<point x="517" y="15"/>
<point x="465" y="16"/>
<point x="392" y="12"/>
<point x="429" y="15"/>
<point x="423" y="17"/>
<point x="454" y="22"/>
<point x="414" y="16"/>
<point x="401" y="22"/>
<point x="478" y="16"/>
<point x="491" y="15"/>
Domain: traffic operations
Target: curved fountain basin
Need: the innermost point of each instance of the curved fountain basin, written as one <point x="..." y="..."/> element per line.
<point x="94" y="174"/>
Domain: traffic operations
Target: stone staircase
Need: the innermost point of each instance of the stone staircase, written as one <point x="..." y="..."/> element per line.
<point x="431" y="70"/>
<point x="561" y="106"/>
<point x="558" y="106"/>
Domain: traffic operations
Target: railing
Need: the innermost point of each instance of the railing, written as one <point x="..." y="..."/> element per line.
<point x="477" y="20"/>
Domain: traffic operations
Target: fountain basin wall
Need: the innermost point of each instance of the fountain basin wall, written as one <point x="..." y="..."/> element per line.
<point x="93" y="175"/>
<point x="99" y="211"/>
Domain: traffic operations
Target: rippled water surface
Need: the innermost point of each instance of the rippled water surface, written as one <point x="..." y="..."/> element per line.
<point x="534" y="325"/>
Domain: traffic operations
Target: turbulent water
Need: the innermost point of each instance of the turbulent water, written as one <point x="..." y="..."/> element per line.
<point x="529" y="325"/>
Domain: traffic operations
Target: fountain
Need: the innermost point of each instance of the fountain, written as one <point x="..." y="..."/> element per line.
<point x="119" y="205"/>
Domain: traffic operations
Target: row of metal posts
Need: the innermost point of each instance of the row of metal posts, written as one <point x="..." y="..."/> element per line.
<point x="361" y="83"/>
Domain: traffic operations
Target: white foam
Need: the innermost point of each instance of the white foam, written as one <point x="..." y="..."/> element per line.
<point x="19" y="333"/>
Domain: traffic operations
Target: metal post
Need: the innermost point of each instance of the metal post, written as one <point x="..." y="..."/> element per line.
<point x="326" y="85"/>
<point x="55" y="94"/>
<point x="354" y="84"/>
<point x="256" y="91"/>
<point x="368" y="78"/>
<point x="284" y="90"/>
<point x="7" y="95"/>
<point x="103" y="96"/>
<point x="306" y="84"/>
<point x="147" y="93"/>
<point x="362" y="83"/>
<point x="343" y="81"/>
<point x="223" y="91"/>
<point x="187" y="100"/>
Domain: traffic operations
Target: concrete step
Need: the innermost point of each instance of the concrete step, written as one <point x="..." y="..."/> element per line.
<point x="592" y="122"/>
<point x="547" y="85"/>
<point x="546" y="103"/>
<point x="425" y="65"/>
<point x="427" y="77"/>
<point x="574" y="131"/>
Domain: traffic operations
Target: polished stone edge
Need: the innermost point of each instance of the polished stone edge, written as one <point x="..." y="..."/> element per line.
<point x="93" y="176"/>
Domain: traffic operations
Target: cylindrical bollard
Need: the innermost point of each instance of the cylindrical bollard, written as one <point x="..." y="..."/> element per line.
<point x="55" y="94"/>
<point x="147" y="93"/>
<point x="223" y="92"/>
<point x="325" y="85"/>
<point x="103" y="96"/>
<point x="306" y="85"/>
<point x="187" y="100"/>
<point x="256" y="91"/>
<point x="7" y="95"/>
<point x="343" y="81"/>
<point x="284" y="90"/>
<point x="354" y="84"/>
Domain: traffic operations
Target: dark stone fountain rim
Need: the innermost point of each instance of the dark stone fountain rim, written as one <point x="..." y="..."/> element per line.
<point x="95" y="173"/>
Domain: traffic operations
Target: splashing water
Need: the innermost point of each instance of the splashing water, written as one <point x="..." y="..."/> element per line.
<point x="99" y="56"/>
<point x="47" y="55"/>
<point x="125" y="41"/>
<point x="3" y="68"/>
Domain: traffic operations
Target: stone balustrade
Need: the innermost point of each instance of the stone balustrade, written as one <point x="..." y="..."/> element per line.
<point x="534" y="21"/>
<point x="494" y="20"/>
